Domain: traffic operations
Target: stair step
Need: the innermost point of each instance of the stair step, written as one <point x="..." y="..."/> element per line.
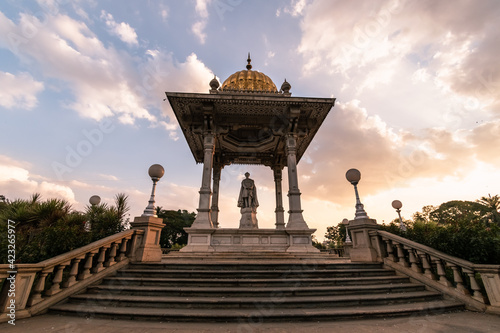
<point x="245" y="265"/>
<point x="277" y="301"/>
<point x="255" y="291"/>
<point x="253" y="282"/>
<point x="280" y="274"/>
<point x="254" y="316"/>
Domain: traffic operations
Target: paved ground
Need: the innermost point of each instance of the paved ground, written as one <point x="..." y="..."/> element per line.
<point x="451" y="322"/>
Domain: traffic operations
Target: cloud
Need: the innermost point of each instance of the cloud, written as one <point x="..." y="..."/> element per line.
<point x="428" y="73"/>
<point x="123" y="30"/>
<point x="164" y="73"/>
<point x="104" y="82"/>
<point x="485" y="139"/>
<point x="108" y="177"/>
<point x="198" y="28"/>
<point x="387" y="159"/>
<point x="16" y="181"/>
<point x="456" y="44"/>
<point x="164" y="12"/>
<point x="19" y="91"/>
<point x="296" y="8"/>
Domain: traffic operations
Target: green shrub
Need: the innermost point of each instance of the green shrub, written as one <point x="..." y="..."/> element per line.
<point x="462" y="237"/>
<point x="45" y="229"/>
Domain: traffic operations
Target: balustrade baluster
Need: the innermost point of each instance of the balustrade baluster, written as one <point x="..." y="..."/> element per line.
<point x="100" y="260"/>
<point x="401" y="256"/>
<point x="441" y="272"/>
<point x="111" y="256"/>
<point x="390" y="249"/>
<point x="458" y="279"/>
<point x="477" y="295"/>
<point x="413" y="260"/>
<point x="426" y="265"/>
<point x="36" y="296"/>
<point x="123" y="250"/>
<point x="87" y="266"/>
<point x="73" y="273"/>
<point x="56" y="281"/>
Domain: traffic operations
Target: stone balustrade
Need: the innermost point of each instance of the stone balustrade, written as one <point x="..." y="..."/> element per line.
<point x="478" y="286"/>
<point x="40" y="285"/>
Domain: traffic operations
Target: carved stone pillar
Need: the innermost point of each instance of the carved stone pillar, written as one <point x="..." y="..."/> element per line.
<point x="203" y="218"/>
<point x="215" y="195"/>
<point x="280" y="216"/>
<point x="295" y="219"/>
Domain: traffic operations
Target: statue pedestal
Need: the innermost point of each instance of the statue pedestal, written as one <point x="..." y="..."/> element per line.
<point x="249" y="240"/>
<point x="248" y="219"/>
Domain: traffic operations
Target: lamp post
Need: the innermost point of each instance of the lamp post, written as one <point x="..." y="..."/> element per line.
<point x="155" y="171"/>
<point x="346" y="223"/>
<point x="396" y="204"/>
<point x="95" y="200"/>
<point x="353" y="176"/>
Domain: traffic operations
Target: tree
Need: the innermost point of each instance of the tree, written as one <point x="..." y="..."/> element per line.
<point x="424" y="215"/>
<point x="317" y="244"/>
<point x="493" y="205"/>
<point x="336" y="235"/>
<point x="458" y="228"/>
<point x="44" y="229"/>
<point x="175" y="222"/>
<point x="104" y="220"/>
<point x="455" y="210"/>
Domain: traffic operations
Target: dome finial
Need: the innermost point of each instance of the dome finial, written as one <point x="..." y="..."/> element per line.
<point x="214" y="84"/>
<point x="249" y="66"/>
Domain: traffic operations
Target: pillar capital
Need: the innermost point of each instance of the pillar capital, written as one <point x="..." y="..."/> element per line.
<point x="291" y="143"/>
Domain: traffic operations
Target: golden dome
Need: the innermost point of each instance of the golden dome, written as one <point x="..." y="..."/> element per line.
<point x="248" y="80"/>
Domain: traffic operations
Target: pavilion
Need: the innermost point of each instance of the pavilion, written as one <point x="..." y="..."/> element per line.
<point x="246" y="120"/>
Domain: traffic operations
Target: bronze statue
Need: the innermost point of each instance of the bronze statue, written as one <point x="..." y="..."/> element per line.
<point x="248" y="194"/>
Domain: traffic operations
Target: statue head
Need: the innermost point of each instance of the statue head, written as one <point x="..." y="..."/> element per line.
<point x="247" y="174"/>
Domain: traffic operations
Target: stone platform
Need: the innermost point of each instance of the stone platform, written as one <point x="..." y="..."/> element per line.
<point x="250" y="240"/>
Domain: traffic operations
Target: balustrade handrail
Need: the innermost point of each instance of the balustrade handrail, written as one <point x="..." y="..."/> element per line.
<point x="66" y="273"/>
<point x="436" y="253"/>
<point x="76" y="252"/>
<point x="429" y="266"/>
<point x="87" y="248"/>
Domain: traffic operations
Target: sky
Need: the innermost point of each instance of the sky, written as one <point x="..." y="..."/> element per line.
<point x="417" y="85"/>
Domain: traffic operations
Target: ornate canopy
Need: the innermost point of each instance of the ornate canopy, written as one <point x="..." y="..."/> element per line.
<point x="250" y="128"/>
<point x="250" y="119"/>
<point x="247" y="121"/>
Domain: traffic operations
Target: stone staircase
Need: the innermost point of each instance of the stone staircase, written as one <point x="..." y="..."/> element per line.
<point x="254" y="288"/>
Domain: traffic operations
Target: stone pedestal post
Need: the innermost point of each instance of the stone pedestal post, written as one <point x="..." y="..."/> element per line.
<point x="300" y="241"/>
<point x="149" y="249"/>
<point x="199" y="240"/>
<point x="362" y="247"/>
<point x="295" y="220"/>
<point x="248" y="219"/>
<point x="215" y="196"/>
<point x="203" y="219"/>
<point x="280" y="212"/>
